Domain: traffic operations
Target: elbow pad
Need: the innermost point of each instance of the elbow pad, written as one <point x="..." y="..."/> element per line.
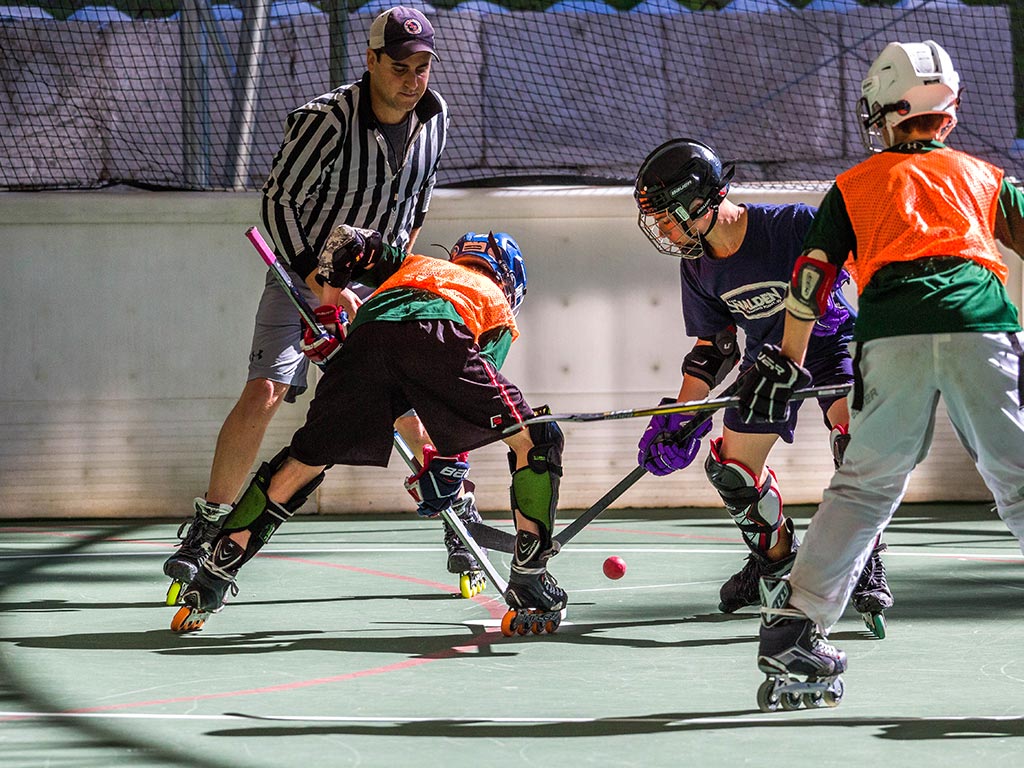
<point x="809" y="288"/>
<point x="712" y="362"/>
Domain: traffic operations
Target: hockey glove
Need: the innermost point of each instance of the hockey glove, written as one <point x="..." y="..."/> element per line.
<point x="437" y="485"/>
<point x="320" y="348"/>
<point x="837" y="312"/>
<point x="766" y="390"/>
<point x="347" y="249"/>
<point x="660" y="451"/>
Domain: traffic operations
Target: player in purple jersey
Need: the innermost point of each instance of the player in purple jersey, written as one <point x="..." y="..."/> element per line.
<point x="735" y="266"/>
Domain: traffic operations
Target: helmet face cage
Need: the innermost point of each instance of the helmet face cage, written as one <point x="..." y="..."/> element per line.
<point x="678" y="183"/>
<point x="502" y="257"/>
<point x="907" y="80"/>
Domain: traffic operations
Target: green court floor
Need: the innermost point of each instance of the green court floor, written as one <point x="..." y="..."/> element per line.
<point x="347" y="646"/>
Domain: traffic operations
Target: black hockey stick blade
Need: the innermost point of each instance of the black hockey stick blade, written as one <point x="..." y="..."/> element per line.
<point x="693" y="406"/>
<point x="581" y="522"/>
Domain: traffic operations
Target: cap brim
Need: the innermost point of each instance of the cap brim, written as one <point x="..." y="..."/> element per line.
<point x="408" y="48"/>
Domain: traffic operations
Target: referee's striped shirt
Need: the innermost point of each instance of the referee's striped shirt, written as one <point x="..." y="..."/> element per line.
<point x="333" y="169"/>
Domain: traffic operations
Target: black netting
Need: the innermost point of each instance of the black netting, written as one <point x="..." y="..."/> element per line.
<point x="157" y="98"/>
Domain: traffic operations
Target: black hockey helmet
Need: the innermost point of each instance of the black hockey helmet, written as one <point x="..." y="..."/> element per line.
<point x="683" y="179"/>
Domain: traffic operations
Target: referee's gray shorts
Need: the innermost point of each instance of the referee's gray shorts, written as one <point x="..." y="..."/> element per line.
<point x="275" y="353"/>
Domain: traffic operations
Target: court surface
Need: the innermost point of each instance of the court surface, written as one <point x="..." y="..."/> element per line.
<point x="347" y="647"/>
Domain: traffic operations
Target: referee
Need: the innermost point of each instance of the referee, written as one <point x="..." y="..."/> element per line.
<point x="366" y="155"/>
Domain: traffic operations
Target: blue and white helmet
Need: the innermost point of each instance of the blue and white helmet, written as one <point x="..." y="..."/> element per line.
<point x="501" y="255"/>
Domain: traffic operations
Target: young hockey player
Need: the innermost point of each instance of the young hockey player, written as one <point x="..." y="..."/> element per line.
<point x="920" y="221"/>
<point x="735" y="263"/>
<point x="431" y="337"/>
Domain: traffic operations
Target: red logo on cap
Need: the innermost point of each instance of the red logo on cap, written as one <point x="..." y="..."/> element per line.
<point x="412" y="26"/>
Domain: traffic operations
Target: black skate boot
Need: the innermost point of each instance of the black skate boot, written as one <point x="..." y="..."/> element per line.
<point x="871" y="596"/>
<point x="197" y="536"/>
<point x="791" y="647"/>
<point x="536" y="602"/>
<point x="206" y="593"/>
<point x="741" y="589"/>
<point x="460" y="560"/>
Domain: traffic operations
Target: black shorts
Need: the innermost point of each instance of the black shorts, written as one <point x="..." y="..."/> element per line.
<point x="386" y="368"/>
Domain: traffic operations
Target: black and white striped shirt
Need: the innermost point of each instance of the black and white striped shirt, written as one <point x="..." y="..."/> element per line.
<point x="333" y="169"/>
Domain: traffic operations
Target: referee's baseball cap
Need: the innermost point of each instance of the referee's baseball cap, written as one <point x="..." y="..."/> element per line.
<point x="401" y="32"/>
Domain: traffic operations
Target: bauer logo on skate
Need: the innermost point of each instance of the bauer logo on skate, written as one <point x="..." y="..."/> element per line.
<point x="757" y="300"/>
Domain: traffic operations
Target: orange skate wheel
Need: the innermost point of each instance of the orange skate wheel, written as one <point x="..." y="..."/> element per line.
<point x="182" y="621"/>
<point x="506" y="623"/>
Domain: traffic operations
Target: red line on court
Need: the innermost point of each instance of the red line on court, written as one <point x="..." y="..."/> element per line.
<point x="490" y="604"/>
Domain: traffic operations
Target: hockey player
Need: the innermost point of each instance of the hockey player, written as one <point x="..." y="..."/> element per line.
<point x="921" y="222"/>
<point x="735" y="263"/>
<point x="432" y="337"/>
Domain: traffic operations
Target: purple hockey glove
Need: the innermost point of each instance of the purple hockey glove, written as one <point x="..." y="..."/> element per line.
<point x="837" y="313"/>
<point x="768" y="386"/>
<point x="660" y="452"/>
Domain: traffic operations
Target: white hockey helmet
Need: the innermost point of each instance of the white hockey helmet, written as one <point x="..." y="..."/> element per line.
<point x="907" y="80"/>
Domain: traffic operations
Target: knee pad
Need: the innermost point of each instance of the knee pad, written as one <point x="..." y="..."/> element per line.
<point x="839" y="438"/>
<point x="534" y="492"/>
<point x="756" y="509"/>
<point x="260" y="516"/>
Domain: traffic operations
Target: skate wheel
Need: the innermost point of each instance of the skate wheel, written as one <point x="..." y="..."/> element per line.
<point x="522" y="629"/>
<point x="186" y="620"/>
<point x="550" y="626"/>
<point x="875" y="622"/>
<point x="767" y="701"/>
<point x="172" y="592"/>
<point x="814" y="700"/>
<point x="791" y="701"/>
<point x="508" y="621"/>
<point x="537" y="628"/>
<point x="834" y="694"/>
<point x="471" y="584"/>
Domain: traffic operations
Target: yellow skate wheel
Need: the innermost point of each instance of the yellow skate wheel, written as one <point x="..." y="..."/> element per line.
<point x="506" y="623"/>
<point x="173" y="591"/>
<point x="471" y="584"/>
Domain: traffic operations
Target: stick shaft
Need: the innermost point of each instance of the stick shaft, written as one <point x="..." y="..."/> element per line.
<point x="285" y="281"/>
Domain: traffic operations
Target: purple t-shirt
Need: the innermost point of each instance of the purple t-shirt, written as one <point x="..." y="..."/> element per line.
<point x="748" y="289"/>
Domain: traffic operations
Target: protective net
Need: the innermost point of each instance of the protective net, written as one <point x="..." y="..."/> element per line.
<point x="185" y="94"/>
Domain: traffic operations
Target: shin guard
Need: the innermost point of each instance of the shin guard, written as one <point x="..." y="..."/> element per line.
<point x="258" y="515"/>
<point x="534" y="491"/>
<point x="755" y="508"/>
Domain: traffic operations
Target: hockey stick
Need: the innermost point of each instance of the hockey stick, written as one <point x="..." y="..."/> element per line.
<point x="680" y="436"/>
<point x="285" y="281"/>
<point x="693" y="406"/>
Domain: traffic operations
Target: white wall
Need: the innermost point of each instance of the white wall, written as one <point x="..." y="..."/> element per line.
<point x="127" y="317"/>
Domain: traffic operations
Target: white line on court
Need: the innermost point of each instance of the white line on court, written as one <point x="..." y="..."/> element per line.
<point x="773" y="719"/>
<point x="593" y="549"/>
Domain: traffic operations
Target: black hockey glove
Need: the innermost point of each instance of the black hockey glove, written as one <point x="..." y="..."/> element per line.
<point x="766" y="390"/>
<point x="347" y="249"/>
